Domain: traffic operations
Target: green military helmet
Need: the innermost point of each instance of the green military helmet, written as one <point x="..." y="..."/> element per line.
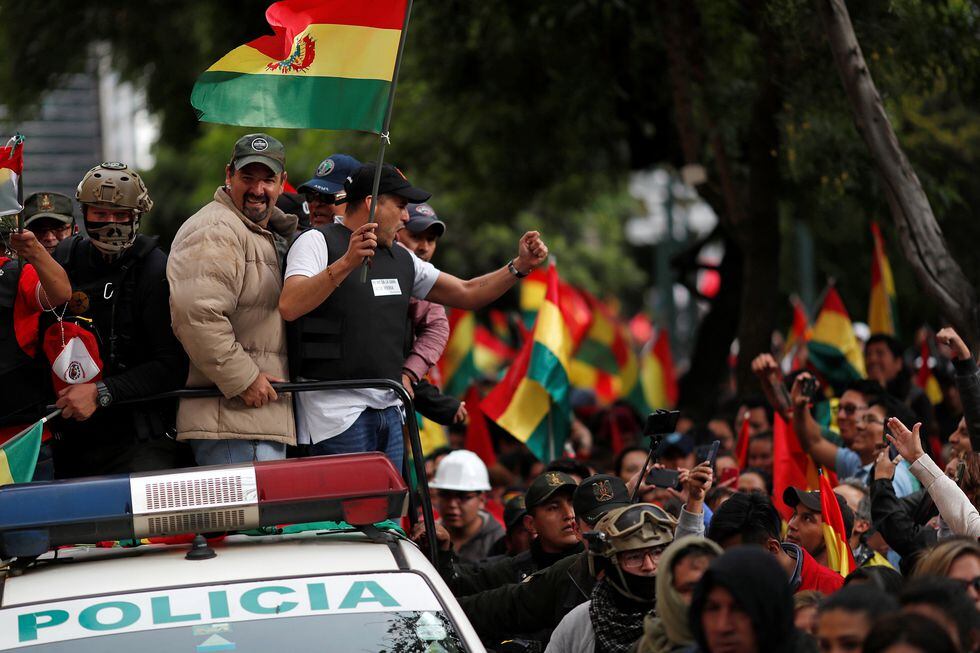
<point x="629" y="528"/>
<point x="114" y="185"/>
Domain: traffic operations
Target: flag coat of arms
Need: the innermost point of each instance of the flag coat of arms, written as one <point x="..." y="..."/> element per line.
<point x="328" y="65"/>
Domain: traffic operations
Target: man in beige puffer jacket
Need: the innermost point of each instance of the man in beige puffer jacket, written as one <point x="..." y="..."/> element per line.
<point x="225" y="279"/>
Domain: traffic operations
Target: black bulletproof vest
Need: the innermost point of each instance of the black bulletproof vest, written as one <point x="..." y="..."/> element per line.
<point x="103" y="298"/>
<point x="359" y="332"/>
<point x="22" y="378"/>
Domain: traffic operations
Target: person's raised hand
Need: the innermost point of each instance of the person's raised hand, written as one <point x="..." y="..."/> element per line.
<point x="363" y="242"/>
<point x="884" y="465"/>
<point x="697" y="481"/>
<point x="26" y="245"/>
<point x="907" y="442"/>
<point x="261" y="391"/>
<point x="796" y="394"/>
<point x="766" y="368"/>
<point x="461" y="413"/>
<point x="531" y="252"/>
<point x="954" y="343"/>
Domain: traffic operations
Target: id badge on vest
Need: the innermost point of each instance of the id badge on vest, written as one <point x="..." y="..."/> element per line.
<point x="386" y="287"/>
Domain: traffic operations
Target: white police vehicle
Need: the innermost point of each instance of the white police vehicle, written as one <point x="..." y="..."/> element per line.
<point x="311" y="562"/>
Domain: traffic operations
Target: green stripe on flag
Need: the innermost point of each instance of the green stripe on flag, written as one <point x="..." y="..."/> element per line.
<point x="466" y="372"/>
<point x="19" y="457"/>
<point x="598" y="355"/>
<point x="831" y="363"/>
<point x="548" y="438"/>
<point x="291" y="101"/>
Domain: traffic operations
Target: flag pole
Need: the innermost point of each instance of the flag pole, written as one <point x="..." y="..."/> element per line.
<point x="384" y="139"/>
<point x="43" y="420"/>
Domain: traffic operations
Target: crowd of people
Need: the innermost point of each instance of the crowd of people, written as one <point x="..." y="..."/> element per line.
<point x="583" y="553"/>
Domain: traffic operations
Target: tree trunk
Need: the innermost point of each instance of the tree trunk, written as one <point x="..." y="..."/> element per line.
<point x="922" y="241"/>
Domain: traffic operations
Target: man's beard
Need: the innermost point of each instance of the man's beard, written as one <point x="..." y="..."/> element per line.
<point x="256" y="214"/>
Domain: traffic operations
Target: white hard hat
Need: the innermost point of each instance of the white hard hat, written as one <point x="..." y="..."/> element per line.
<point x="462" y="471"/>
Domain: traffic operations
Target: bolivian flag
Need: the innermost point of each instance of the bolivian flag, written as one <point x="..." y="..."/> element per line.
<point x="834" y="351"/>
<point x="575" y="305"/>
<point x="18" y="456"/>
<point x="329" y="65"/>
<point x="604" y="361"/>
<point x="471" y="352"/>
<point x="881" y="308"/>
<point x="656" y="386"/>
<point x="840" y="558"/>
<point x="531" y="402"/>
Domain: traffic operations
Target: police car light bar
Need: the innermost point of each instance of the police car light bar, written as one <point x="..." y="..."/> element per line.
<point x="359" y="489"/>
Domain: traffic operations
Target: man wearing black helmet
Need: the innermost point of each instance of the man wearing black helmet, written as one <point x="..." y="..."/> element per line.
<point x="120" y="294"/>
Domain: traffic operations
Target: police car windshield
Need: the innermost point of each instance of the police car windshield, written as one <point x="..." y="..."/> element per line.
<point x="405" y="632"/>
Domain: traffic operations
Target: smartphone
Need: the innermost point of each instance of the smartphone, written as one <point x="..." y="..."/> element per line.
<point x="892" y="451"/>
<point x="808" y="386"/>
<point x="665" y="478"/>
<point x="713" y="453"/>
<point x="728" y="474"/>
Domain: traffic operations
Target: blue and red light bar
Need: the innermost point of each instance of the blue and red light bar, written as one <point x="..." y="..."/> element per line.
<point x="359" y="489"/>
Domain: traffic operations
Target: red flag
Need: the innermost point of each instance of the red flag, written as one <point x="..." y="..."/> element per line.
<point x="742" y="450"/>
<point x="840" y="558"/>
<point x="478" y="438"/>
<point x="789" y="465"/>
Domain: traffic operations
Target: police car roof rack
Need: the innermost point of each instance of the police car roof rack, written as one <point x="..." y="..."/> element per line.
<point x="289" y="491"/>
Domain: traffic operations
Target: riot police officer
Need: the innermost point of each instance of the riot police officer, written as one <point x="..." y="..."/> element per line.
<point x="120" y="295"/>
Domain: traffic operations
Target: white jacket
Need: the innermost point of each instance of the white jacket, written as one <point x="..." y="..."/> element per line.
<point x="954" y="506"/>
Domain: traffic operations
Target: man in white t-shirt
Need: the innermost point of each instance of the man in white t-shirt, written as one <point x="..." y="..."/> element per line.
<point x="342" y="328"/>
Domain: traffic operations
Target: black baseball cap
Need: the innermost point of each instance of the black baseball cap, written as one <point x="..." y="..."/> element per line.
<point x="545" y="486"/>
<point x="259" y="148"/>
<point x="794" y="496"/>
<point x="360" y="184"/>
<point x="48" y="205"/>
<point x="514" y="510"/>
<point x="421" y="217"/>
<point x="597" y="495"/>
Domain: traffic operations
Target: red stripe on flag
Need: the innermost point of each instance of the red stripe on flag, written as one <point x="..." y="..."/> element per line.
<point x="789" y="464"/>
<point x="12" y="158"/>
<point x="478" y="438"/>
<point x="290" y="17"/>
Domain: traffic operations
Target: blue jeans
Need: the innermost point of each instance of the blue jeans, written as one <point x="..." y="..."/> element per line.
<point x="226" y="452"/>
<point x="373" y="430"/>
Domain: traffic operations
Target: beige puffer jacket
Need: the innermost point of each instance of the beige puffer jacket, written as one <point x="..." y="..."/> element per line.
<point x="225" y="279"/>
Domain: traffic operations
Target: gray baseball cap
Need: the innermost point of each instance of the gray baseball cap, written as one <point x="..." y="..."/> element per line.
<point x="259" y="148"/>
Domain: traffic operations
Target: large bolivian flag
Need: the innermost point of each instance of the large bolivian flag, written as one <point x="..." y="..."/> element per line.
<point x="604" y="360"/>
<point x="531" y="402"/>
<point x="834" y="351"/>
<point x="881" y="308"/>
<point x="329" y="65"/>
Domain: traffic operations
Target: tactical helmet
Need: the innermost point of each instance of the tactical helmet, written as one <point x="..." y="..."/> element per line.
<point x="113" y="185"/>
<point x="629" y="528"/>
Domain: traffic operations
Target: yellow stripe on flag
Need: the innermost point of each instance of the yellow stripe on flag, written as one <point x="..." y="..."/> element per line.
<point x="6" y="478"/>
<point x="348" y="51"/>
<point x="835" y="329"/>
<point x="459" y="345"/>
<point x="529" y="405"/>
<point x="550" y="331"/>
